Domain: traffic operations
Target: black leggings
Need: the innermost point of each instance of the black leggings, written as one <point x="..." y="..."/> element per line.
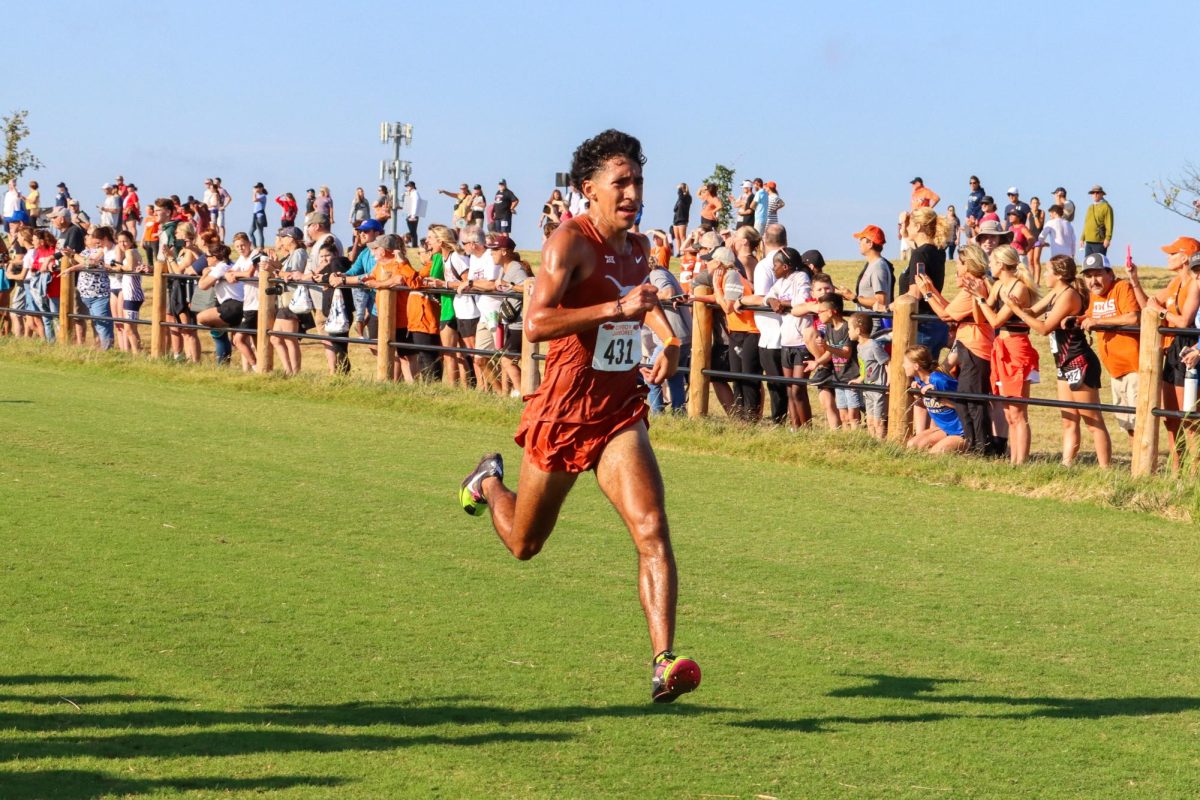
<point x="426" y="359"/>
<point x="772" y="365"/>
<point x="974" y="375"/>
<point x="743" y="357"/>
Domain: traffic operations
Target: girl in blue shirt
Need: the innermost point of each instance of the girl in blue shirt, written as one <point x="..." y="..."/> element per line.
<point x="946" y="434"/>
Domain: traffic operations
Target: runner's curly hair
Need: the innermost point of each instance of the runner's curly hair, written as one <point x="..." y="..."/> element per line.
<point x="591" y="155"/>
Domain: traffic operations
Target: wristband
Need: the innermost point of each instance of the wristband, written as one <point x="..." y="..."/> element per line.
<point x="672" y="342"/>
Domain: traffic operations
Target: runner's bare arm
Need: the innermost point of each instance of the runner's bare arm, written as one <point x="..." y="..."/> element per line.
<point x="562" y="257"/>
<point x="667" y="362"/>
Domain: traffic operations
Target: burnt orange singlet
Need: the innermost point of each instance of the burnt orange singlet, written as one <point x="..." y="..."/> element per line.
<point x="589" y="393"/>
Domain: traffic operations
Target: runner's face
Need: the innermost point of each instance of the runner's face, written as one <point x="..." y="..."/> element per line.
<point x="615" y="191"/>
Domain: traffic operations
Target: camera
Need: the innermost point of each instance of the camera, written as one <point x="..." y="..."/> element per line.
<point x="274" y="290"/>
<point x="256" y="258"/>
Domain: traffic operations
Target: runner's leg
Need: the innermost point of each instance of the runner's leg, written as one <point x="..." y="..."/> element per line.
<point x="628" y="475"/>
<point x="525" y="519"/>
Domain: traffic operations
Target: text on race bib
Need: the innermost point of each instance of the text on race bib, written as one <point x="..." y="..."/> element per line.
<point x="618" y="347"/>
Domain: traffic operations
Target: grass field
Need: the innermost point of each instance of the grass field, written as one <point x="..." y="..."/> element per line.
<point x="233" y="587"/>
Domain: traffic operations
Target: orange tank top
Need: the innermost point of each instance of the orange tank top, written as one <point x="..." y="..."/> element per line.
<point x="574" y="389"/>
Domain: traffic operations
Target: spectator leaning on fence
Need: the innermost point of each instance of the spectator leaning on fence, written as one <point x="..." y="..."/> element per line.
<point x="730" y="284"/>
<point x="244" y="271"/>
<point x="446" y="267"/>
<point x="183" y="258"/>
<point x="93" y="285"/>
<point x="513" y="275"/>
<point x="789" y="296"/>
<point x="770" y="348"/>
<point x="482" y="276"/>
<point x="1177" y="306"/>
<point x="680" y="318"/>
<point x="973" y="341"/>
<point x="946" y="433"/>
<point x="872" y="370"/>
<point x="836" y="361"/>
<point x="1057" y="315"/>
<point x="1113" y="302"/>
<point x="296" y="315"/>
<point x="1014" y="361"/>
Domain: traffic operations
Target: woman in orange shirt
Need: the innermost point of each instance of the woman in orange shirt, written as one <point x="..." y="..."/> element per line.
<point x="974" y="342"/>
<point x="150" y="235"/>
<point x="424" y="312"/>
<point x="1176" y="306"/>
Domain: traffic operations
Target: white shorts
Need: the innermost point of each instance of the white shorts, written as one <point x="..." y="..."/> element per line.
<point x="1124" y="393"/>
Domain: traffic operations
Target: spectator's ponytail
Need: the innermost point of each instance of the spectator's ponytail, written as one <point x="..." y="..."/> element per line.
<point x="930" y="224"/>
<point x="1064" y="267"/>
<point x="1008" y="258"/>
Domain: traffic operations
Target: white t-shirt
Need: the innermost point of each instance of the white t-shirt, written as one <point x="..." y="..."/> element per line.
<point x="1059" y="236"/>
<point x="11" y="200"/>
<point x="794" y="289"/>
<point x="223" y="289"/>
<point x="457" y="269"/>
<point x="484" y="269"/>
<point x="767" y="322"/>
<point x="249" y="290"/>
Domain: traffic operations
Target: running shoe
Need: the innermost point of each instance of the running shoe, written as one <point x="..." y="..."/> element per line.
<point x="673" y="676"/>
<point x="470" y="495"/>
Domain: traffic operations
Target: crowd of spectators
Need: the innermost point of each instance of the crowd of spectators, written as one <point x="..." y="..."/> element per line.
<point x="777" y="313"/>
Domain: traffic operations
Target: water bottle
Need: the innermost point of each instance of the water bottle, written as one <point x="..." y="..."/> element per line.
<point x="1191" y="387"/>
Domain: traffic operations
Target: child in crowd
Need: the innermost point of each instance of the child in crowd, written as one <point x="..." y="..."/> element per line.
<point x="872" y="362"/>
<point x="836" y="360"/>
<point x="946" y="434"/>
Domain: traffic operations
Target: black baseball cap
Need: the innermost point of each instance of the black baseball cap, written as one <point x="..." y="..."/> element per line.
<point x="916" y="180"/>
<point x="813" y="258"/>
<point x="987" y="198"/>
<point x="1059" y="190"/>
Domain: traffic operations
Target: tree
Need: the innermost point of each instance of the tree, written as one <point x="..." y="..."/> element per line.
<point x="17" y="161"/>
<point x="722" y="176"/>
<point x="1180" y="195"/>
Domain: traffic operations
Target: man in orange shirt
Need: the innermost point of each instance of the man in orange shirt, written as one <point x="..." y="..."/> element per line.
<point x="923" y="196"/>
<point x="1113" y="302"/>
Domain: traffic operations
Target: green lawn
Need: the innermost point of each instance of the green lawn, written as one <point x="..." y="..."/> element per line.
<point x="231" y="587"/>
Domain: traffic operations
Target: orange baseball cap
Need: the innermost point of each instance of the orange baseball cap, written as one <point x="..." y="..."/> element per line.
<point x="874" y="233"/>
<point x="1184" y="244"/>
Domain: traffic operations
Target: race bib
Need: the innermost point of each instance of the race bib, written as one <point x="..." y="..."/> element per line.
<point x="618" y="347"/>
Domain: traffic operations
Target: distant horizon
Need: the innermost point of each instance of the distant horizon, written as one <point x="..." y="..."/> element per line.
<point x="1074" y="100"/>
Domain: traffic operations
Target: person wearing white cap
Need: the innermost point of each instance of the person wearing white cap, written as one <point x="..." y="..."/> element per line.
<point x="110" y="209"/>
<point x="744" y="205"/>
<point x="1015" y="203"/>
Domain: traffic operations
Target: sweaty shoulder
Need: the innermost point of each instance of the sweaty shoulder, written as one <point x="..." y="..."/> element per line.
<point x="570" y="248"/>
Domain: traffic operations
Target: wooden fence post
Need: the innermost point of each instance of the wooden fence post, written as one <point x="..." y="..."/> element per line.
<point x="699" y="385"/>
<point x="385" y="311"/>
<point x="904" y="335"/>
<point x="1145" y="424"/>
<point x="158" y="308"/>
<point x="66" y="302"/>
<point x="531" y="376"/>
<point x="265" y="355"/>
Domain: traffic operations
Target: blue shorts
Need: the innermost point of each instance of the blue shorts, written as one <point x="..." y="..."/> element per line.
<point x="848" y="399"/>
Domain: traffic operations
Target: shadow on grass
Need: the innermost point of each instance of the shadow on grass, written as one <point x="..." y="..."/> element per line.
<point x="83" y="785"/>
<point x="924" y="690"/>
<point x="36" y="680"/>
<point x="139" y="733"/>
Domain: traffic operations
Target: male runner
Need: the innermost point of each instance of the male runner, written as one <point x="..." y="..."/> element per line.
<point x="589" y="301"/>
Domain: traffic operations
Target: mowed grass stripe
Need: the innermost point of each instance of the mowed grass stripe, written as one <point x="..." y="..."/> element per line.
<point x="323" y="612"/>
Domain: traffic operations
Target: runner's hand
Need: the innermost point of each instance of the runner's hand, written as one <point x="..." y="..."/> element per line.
<point x="638" y="301"/>
<point x="665" y="365"/>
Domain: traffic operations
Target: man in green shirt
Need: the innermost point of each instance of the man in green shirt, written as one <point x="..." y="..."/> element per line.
<point x="1097" y="224"/>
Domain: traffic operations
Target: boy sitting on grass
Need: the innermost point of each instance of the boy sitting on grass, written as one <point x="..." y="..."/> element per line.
<point x="835" y="358"/>
<point x="872" y="362"/>
<point x="946" y="434"/>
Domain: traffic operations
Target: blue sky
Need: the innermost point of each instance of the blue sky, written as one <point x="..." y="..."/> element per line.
<point x="839" y="104"/>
